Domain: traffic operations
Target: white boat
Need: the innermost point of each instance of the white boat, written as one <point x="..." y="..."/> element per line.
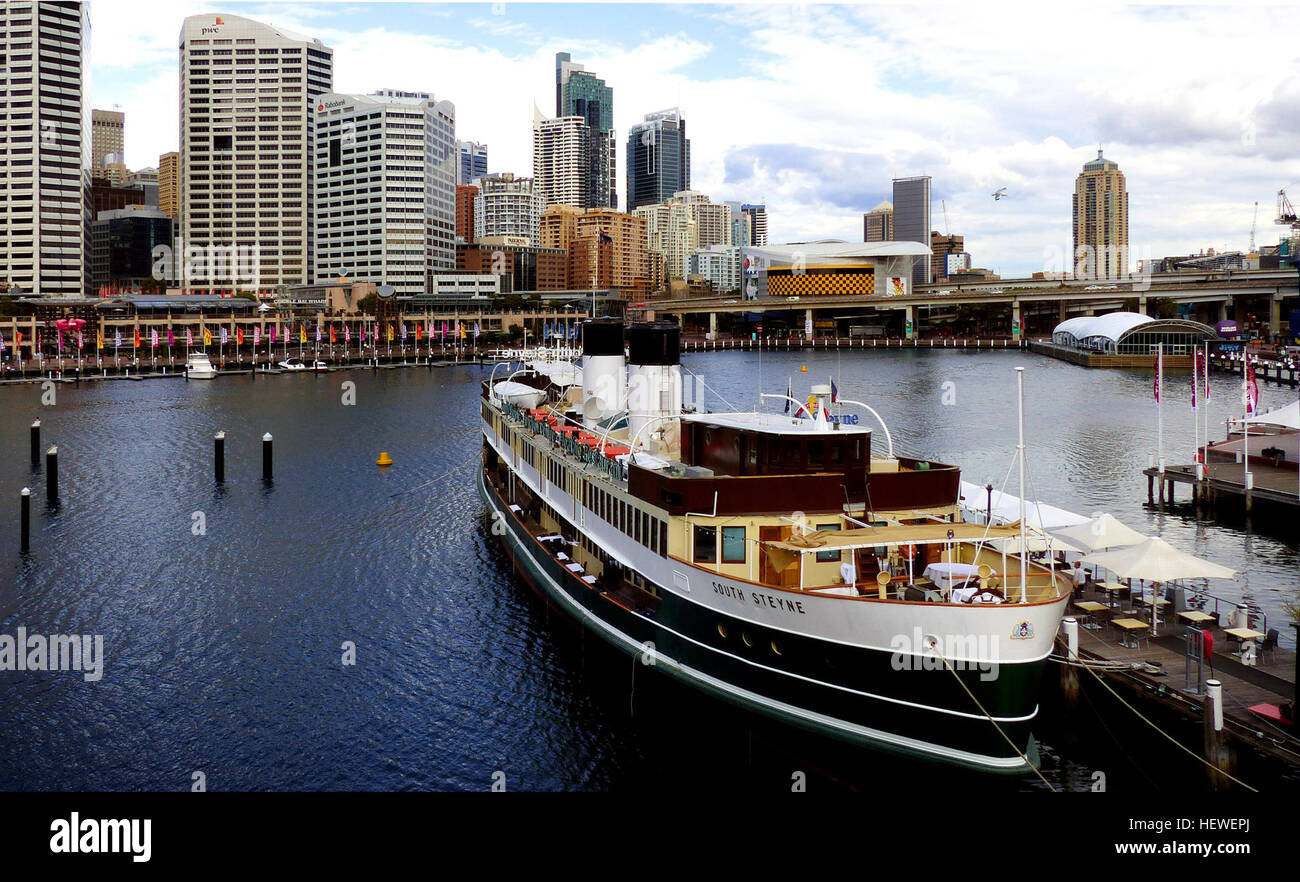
<point x="199" y="367"/>
<point x="292" y="364"/>
<point x="518" y="394"/>
<point x="319" y="367"/>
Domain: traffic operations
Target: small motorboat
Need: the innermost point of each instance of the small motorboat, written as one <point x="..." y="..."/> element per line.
<point x="199" y="367"/>
<point x="319" y="367"/>
<point x="292" y="364"/>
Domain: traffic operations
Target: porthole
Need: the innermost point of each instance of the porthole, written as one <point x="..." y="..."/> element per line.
<point x="722" y="630"/>
<point x="776" y="650"/>
<point x="744" y="635"/>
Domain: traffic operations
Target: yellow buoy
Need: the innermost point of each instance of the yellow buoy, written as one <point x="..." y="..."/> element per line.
<point x="384" y="460"/>
<point x="804" y="369"/>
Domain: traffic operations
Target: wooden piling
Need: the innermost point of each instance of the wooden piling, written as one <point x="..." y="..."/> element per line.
<point x="25" y="519"/>
<point x="1217" y="753"/>
<point x="266" y="458"/>
<point x="36" y="444"/>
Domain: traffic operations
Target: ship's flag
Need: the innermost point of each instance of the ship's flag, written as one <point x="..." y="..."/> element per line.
<point x="789" y="393"/>
<point x="835" y="393"/>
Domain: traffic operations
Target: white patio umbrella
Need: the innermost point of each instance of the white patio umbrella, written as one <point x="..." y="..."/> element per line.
<point x="1035" y="540"/>
<point x="1155" y="560"/>
<point x="1100" y="532"/>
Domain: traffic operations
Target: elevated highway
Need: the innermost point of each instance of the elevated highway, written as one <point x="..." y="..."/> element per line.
<point x="1216" y="291"/>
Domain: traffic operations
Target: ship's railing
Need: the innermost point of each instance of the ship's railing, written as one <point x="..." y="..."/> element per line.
<point x="583" y="453"/>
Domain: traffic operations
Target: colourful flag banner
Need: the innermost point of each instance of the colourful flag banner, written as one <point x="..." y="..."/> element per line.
<point x="171" y="337"/>
<point x="153" y="338"/>
<point x="117" y="339"/>
<point x="207" y="336"/>
<point x="1252" y="386"/>
<point x="239" y="336"/>
<point x="257" y="335"/>
<point x="225" y="336"/>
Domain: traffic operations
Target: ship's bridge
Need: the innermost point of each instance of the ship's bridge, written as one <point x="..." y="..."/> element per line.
<point x="758" y="443"/>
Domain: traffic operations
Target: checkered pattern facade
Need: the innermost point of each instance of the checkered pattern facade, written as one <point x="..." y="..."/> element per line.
<point x="838" y="281"/>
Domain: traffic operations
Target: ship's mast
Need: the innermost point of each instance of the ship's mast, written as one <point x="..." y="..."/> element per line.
<point x="1020" y="447"/>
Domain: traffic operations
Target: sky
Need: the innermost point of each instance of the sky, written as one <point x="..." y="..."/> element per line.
<point x="813" y="110"/>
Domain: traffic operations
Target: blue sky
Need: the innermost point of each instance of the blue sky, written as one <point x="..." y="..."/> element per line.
<point x="814" y="109"/>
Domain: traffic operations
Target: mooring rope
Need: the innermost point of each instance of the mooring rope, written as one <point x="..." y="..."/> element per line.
<point x="1171" y="738"/>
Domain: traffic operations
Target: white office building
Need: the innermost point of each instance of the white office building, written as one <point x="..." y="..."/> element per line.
<point x="385" y="188"/>
<point x="246" y="150"/>
<point x="561" y="159"/>
<point x="44" y="148"/>
<point x="507" y="206"/>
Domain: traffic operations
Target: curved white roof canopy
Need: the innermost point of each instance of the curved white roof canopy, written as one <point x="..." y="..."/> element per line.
<point x="1111" y="326"/>
<point x="1288" y="417"/>
<point x="836" y="250"/>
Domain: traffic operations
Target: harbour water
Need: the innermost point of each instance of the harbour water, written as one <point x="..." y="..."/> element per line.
<point x="225" y="646"/>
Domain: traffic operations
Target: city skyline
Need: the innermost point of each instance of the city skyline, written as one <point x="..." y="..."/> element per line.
<point x="819" y="143"/>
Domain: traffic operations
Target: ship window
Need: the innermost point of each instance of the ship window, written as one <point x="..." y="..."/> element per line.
<point x="815" y="451"/>
<point x="837" y="452"/>
<point x="722" y="630"/>
<point x="645" y="529"/>
<point x="733" y="545"/>
<point x="827" y="556"/>
<point x="744" y="635"/>
<point x="776" y="650"/>
<point x="663" y="537"/>
<point x="636" y="525"/>
<point x="792" y="457"/>
<point x="706" y="544"/>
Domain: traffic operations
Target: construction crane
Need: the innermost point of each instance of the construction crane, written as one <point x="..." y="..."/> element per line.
<point x="1286" y="215"/>
<point x="1252" y="229"/>
<point x="946" y="230"/>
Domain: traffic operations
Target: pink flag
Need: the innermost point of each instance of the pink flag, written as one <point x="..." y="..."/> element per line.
<point x="1252" y="386"/>
<point x="1159" y="370"/>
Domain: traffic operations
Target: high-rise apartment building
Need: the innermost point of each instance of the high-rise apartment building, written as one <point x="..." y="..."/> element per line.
<point x="1101" y="220"/>
<point x="609" y="251"/>
<point x="878" y="223"/>
<point x="658" y="159"/>
<point x="473" y="161"/>
<point x="912" y="220"/>
<point x="940" y="248"/>
<point x="561" y="171"/>
<point x="687" y="222"/>
<point x="558" y="226"/>
<point x="580" y="93"/>
<point x="385" y="188"/>
<point x="107" y="136"/>
<point x="169" y="177"/>
<point x="507" y="206"/>
<point x="247" y="149"/>
<point x="757" y="224"/>
<point x="465" y="196"/>
<point x="44" y="148"/>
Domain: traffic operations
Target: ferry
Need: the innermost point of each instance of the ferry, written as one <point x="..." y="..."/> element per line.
<point x="777" y="559"/>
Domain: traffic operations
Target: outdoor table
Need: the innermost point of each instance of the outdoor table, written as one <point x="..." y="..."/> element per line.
<point x="1091" y="607"/>
<point x="515" y="508"/>
<point x="561" y="556"/>
<point x="575" y="568"/>
<point x="590" y="580"/>
<point x="1135" y="628"/>
<point x="1195" y="616"/>
<point x="1113" y="589"/>
<point x="1247" y="636"/>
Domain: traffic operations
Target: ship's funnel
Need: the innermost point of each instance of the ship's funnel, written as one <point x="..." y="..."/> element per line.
<point x="654" y="388"/>
<point x="604" y="370"/>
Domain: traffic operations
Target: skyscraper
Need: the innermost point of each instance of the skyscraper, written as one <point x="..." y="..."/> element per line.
<point x="473" y="161"/>
<point x="398" y="227"/>
<point x="878" y="224"/>
<point x="581" y="93"/>
<point x="941" y="247"/>
<point x="107" y="136"/>
<point x="658" y="159"/>
<point x="44" y="147"/>
<point x="912" y="220"/>
<point x="169" y="175"/>
<point x="246" y="147"/>
<point x="1101" y="220"/>
<point x="560" y="168"/>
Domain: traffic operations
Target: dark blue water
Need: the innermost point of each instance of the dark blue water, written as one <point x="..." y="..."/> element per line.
<point x="223" y="651"/>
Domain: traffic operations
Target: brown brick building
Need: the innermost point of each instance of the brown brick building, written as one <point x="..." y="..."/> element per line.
<point x="523" y="267"/>
<point x="465" y="195"/>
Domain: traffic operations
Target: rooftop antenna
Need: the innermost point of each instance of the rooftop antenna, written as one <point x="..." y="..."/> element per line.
<point x="1252" y="227"/>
